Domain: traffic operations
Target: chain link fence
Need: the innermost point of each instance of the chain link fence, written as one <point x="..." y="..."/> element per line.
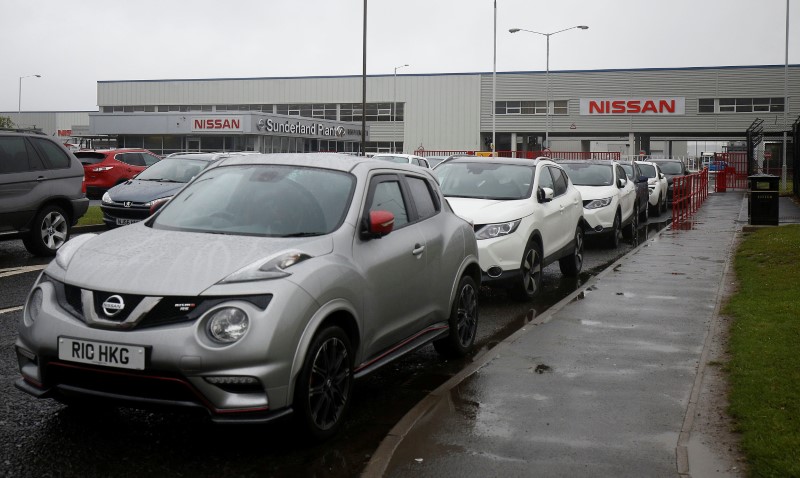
<point x="771" y="149"/>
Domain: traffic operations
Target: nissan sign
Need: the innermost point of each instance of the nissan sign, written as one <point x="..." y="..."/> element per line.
<point x="633" y="106"/>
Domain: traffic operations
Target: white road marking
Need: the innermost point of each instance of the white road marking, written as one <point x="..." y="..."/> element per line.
<point x="12" y="309"/>
<point x="20" y="270"/>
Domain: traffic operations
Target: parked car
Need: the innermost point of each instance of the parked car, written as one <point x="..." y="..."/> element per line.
<point x="132" y="201"/>
<point x="610" y="208"/>
<point x="526" y="215"/>
<point x="105" y="168"/>
<point x="263" y="288"/>
<point x="640" y="184"/>
<point x="403" y="158"/>
<point x="657" y="186"/>
<point x="41" y="186"/>
<point x="434" y="160"/>
<point x="671" y="168"/>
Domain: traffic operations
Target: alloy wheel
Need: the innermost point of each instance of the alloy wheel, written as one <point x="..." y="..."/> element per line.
<point x="329" y="383"/>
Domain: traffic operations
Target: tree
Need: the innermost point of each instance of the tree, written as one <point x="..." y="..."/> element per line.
<point x="5" y="122"/>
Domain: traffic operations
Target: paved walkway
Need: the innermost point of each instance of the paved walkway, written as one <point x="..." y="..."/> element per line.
<point x="603" y="385"/>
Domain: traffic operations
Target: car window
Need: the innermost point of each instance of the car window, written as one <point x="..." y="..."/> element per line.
<point x="150" y="159"/>
<point x="561" y="181"/>
<point x="54" y="156"/>
<point x="648" y="170"/>
<point x="13" y="155"/>
<point x="620" y="172"/>
<point x="672" y="167"/>
<point x="628" y="170"/>
<point x="546" y="179"/>
<point x="134" y="159"/>
<point x="424" y="163"/>
<point x="588" y="174"/>
<point x="388" y="197"/>
<point x="180" y="170"/>
<point x="89" y="157"/>
<point x="423" y="197"/>
<point x="489" y="180"/>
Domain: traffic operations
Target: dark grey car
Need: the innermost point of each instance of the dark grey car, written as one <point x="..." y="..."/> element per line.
<point x="41" y="190"/>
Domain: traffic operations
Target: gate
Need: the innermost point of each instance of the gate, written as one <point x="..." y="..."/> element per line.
<point x="765" y="143"/>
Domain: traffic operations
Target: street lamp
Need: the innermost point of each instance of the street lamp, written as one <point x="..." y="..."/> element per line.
<point x="547" y="75"/>
<point x="394" y="101"/>
<point x="19" y="104"/>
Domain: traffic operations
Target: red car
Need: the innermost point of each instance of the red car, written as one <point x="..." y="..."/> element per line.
<point x="105" y="168"/>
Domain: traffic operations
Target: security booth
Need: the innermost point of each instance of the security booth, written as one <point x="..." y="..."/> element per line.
<point x="763" y="205"/>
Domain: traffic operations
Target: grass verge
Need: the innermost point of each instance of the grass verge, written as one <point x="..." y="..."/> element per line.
<point x="765" y="350"/>
<point x="94" y="215"/>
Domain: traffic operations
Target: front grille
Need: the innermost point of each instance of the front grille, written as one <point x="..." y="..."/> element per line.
<point x="133" y="212"/>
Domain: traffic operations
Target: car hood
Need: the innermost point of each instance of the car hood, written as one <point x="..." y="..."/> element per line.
<point x="137" y="259"/>
<point x="489" y="211"/>
<point x="589" y="193"/>
<point x="140" y="191"/>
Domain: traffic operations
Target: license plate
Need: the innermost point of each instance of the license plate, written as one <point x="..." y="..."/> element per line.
<point x="101" y="353"/>
<point x="125" y="222"/>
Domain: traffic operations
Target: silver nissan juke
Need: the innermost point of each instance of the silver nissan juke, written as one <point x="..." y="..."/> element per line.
<point x="264" y="287"/>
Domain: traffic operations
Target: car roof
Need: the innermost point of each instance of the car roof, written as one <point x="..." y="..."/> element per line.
<point x="586" y="161"/>
<point x="489" y="159"/>
<point x="334" y="161"/>
<point x="113" y="150"/>
<point x="206" y="156"/>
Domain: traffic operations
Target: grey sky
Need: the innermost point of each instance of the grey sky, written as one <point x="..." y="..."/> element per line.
<point x="75" y="44"/>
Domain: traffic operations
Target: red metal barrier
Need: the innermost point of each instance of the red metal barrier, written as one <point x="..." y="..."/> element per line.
<point x="731" y="171"/>
<point x="688" y="194"/>
<point x="612" y="155"/>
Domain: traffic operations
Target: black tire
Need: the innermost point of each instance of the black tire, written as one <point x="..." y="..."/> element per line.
<point x="663" y="206"/>
<point x="322" y="391"/>
<point x="572" y="264"/>
<point x="630" y="230"/>
<point x="463" y="321"/>
<point x="616" y="231"/>
<point x="530" y="281"/>
<point x="645" y="214"/>
<point x="49" y="231"/>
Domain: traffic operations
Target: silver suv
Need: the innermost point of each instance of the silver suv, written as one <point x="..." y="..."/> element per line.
<point x="263" y="287"/>
<point x="41" y="190"/>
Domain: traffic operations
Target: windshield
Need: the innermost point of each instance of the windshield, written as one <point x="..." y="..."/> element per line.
<point x="179" y="170"/>
<point x="672" y="167"/>
<point x="588" y="174"/>
<point x="648" y="170"/>
<point x="485" y="180"/>
<point x="263" y="200"/>
<point x="628" y="170"/>
<point x="394" y="159"/>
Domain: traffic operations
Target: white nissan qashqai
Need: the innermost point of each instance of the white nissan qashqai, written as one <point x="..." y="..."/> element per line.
<point x="526" y="215"/>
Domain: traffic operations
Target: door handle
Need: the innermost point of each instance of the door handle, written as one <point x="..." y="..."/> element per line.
<point x="418" y="249"/>
<point x="41" y="178"/>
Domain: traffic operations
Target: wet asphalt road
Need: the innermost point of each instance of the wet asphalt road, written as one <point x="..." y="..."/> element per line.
<point x="43" y="438"/>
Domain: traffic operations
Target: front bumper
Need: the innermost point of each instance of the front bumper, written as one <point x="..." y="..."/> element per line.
<point x="115" y="215"/>
<point x="179" y="359"/>
<point x="600" y="220"/>
<point x="500" y="258"/>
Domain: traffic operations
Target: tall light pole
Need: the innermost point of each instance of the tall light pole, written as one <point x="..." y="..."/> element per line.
<point x="394" y="101"/>
<point x="19" y="104"/>
<point x="547" y="75"/>
<point x="364" y="89"/>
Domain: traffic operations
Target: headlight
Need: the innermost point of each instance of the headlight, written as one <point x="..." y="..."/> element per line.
<point x="273" y="268"/>
<point x="490" y="231"/>
<point x="156" y="201"/>
<point x="598" y="203"/>
<point x="107" y="198"/>
<point x="227" y="325"/>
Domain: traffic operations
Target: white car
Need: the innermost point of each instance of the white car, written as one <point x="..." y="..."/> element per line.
<point x="403" y="159"/>
<point x="656" y="184"/>
<point x="609" y="198"/>
<point x="526" y="214"/>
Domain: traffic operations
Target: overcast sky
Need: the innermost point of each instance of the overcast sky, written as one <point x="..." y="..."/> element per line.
<point x="75" y="44"/>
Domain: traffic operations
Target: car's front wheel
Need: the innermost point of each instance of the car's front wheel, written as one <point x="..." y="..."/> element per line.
<point x="530" y="282"/>
<point x="571" y="265"/>
<point x="463" y="321"/>
<point x="49" y="231"/>
<point x="616" y="231"/>
<point x="322" y="392"/>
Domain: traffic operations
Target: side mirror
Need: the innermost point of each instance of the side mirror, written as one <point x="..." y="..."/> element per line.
<point x="379" y="224"/>
<point x="621" y="182"/>
<point x="661" y="175"/>
<point x="544" y="195"/>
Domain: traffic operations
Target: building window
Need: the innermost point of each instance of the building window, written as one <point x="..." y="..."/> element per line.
<point x="705" y="105"/>
<point x="747" y="105"/>
<point x="375" y="112"/>
<point x="558" y="107"/>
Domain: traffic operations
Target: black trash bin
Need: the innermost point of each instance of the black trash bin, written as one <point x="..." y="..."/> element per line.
<point x="764" y="199"/>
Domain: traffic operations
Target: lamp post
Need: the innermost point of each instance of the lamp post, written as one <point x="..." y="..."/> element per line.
<point x="547" y="75"/>
<point x="394" y="101"/>
<point x="19" y="104"/>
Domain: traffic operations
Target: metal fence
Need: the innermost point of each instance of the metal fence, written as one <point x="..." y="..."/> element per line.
<point x="688" y="194"/>
<point x="772" y="149"/>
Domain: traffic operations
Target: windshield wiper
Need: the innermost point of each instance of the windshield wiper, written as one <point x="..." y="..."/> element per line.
<point x="303" y="234"/>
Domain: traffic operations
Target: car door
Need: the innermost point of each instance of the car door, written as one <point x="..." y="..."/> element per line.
<point x="627" y="193"/>
<point x="550" y="215"/>
<point x="394" y="267"/>
<point x="22" y="182"/>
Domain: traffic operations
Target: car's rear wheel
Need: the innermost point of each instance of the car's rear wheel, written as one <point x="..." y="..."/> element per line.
<point x="463" y="321"/>
<point x="616" y="231"/>
<point x="530" y="282"/>
<point x="662" y="207"/>
<point x="49" y="231"/>
<point x="322" y="392"/>
<point x="571" y="265"/>
<point x="630" y="232"/>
